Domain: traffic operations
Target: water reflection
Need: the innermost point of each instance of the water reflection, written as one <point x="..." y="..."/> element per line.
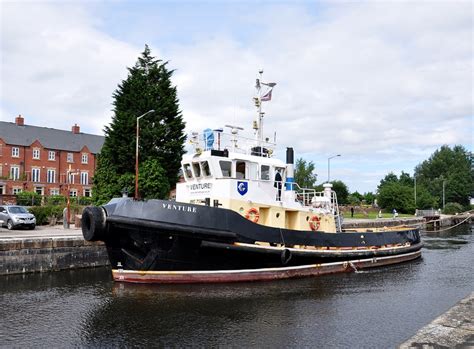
<point x="374" y="308"/>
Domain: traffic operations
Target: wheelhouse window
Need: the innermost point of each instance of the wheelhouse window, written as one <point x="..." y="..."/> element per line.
<point x="265" y="172"/>
<point x="196" y="169"/>
<point x="226" y="167"/>
<point x="187" y="171"/>
<point x="206" y="170"/>
<point x="240" y="169"/>
<point x="51" y="155"/>
<point x="15" y="152"/>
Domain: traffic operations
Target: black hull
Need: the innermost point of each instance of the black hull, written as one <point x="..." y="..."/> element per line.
<point x="164" y="235"/>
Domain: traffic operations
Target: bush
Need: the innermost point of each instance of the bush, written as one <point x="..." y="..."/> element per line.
<point x="85" y="201"/>
<point x="56" y="200"/>
<point x="453" y="208"/>
<point x="52" y="213"/>
<point x="28" y="198"/>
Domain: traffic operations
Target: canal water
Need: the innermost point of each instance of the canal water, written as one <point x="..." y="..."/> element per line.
<point x="372" y="309"/>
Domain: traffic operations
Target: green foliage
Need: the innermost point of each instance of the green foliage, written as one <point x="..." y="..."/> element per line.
<point x="148" y="86"/>
<point x="353" y="200"/>
<point x="369" y="198"/>
<point x="304" y="173"/>
<point x="424" y="199"/>
<point x="152" y="180"/>
<point x="55" y="200"/>
<point x="85" y="201"/>
<point x="342" y="192"/>
<point x="453" y="208"/>
<point x="28" y="198"/>
<point x="454" y="168"/>
<point x="395" y="195"/>
<point x="44" y="214"/>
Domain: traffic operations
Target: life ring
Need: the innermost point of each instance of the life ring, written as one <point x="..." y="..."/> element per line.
<point x="314" y="223"/>
<point x="252" y="215"/>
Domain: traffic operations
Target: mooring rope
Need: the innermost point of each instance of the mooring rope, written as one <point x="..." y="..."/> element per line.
<point x="440" y="230"/>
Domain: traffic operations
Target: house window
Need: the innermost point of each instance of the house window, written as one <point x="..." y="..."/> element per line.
<point x="70" y="157"/>
<point x="36" y="153"/>
<point x="35" y="174"/>
<point x="15" y="152"/>
<point x="15" y="173"/>
<point x="84" y="178"/>
<point x="51" y="176"/>
<point x="85" y="158"/>
<point x="54" y="191"/>
<point x="73" y="193"/>
<point x="39" y="190"/>
<point x="87" y="193"/>
<point x="51" y="155"/>
<point x="2" y="189"/>
<point x="70" y="177"/>
<point x="16" y="190"/>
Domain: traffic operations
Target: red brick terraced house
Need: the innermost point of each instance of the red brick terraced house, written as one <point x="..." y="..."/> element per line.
<point x="45" y="160"/>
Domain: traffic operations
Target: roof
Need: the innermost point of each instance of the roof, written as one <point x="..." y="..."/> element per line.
<point x="50" y="138"/>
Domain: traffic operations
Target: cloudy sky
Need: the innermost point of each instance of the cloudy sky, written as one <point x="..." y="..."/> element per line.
<point x="383" y="83"/>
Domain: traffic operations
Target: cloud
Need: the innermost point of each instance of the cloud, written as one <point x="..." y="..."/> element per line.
<point x="57" y="69"/>
<point x="382" y="83"/>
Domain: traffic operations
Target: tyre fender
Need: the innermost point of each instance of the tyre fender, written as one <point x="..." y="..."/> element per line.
<point x="94" y="226"/>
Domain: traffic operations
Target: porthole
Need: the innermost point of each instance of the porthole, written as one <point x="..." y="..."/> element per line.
<point x="278" y="215"/>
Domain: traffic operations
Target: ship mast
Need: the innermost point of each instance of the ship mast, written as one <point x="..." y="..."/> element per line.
<point x="258" y="124"/>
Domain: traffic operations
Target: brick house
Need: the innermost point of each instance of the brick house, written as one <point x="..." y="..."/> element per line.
<point x="46" y="160"/>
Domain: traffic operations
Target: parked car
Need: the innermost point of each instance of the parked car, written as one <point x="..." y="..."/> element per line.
<point x="16" y="216"/>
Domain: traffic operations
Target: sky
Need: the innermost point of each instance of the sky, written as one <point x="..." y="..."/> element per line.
<point x="382" y="83"/>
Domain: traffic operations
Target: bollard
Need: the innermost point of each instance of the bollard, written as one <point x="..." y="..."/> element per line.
<point x="65" y="220"/>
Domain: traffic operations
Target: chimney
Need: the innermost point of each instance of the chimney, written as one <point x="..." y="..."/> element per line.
<point x="19" y="120"/>
<point x="76" y="129"/>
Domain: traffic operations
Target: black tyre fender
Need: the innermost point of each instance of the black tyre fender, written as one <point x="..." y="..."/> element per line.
<point x="285" y="256"/>
<point x="94" y="227"/>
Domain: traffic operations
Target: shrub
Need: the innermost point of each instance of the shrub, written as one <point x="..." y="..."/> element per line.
<point x="85" y="201"/>
<point x="28" y="198"/>
<point x="56" y="200"/>
<point x="452" y="208"/>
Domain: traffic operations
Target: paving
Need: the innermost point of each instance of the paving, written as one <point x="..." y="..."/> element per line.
<point x="453" y="329"/>
<point x="40" y="232"/>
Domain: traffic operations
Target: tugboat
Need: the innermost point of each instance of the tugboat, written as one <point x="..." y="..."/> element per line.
<point x="239" y="216"/>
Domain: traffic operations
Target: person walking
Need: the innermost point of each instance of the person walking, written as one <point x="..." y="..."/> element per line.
<point x="278" y="180"/>
<point x="352" y="212"/>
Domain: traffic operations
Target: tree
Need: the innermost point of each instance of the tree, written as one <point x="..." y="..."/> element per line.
<point x="148" y="86"/>
<point x="304" y="173"/>
<point x="395" y="195"/>
<point x="454" y="167"/>
<point x="341" y="190"/>
<point x="369" y="198"/>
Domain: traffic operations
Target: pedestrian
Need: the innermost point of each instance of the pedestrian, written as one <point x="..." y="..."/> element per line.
<point x="395" y="213"/>
<point x="278" y="180"/>
<point x="352" y="212"/>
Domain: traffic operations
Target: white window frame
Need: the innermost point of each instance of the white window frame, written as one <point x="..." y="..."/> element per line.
<point x="70" y="157"/>
<point x="71" y="177"/>
<point x="51" y="175"/>
<point x="16" y="190"/>
<point x="36" y="174"/>
<point x="41" y="190"/>
<point x="54" y="191"/>
<point x="36" y="153"/>
<point x="85" y="178"/>
<point x="15" y="152"/>
<point x="85" y="158"/>
<point x="15" y="173"/>
<point x="51" y="155"/>
<point x="73" y="193"/>
<point x="87" y="190"/>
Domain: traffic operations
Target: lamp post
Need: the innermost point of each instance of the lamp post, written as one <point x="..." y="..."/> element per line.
<point x="444" y="183"/>
<point x="329" y="164"/>
<point x="414" y="177"/>
<point x="136" y="151"/>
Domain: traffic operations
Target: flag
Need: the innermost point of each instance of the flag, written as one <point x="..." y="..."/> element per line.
<point x="267" y="96"/>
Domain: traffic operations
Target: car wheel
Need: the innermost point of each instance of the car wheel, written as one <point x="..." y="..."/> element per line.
<point x="10" y="225"/>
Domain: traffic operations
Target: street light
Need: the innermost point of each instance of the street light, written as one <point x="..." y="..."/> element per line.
<point x="444" y="184"/>
<point x="136" y="151"/>
<point x="329" y="164"/>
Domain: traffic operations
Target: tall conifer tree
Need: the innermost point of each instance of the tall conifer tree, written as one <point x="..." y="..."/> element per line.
<point x="161" y="145"/>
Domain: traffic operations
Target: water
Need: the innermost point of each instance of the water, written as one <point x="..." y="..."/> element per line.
<point x="372" y="309"/>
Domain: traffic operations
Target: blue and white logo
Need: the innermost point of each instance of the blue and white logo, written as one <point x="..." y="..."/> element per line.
<point x="242" y="187"/>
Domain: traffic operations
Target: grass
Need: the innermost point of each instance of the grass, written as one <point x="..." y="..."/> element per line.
<point x="373" y="215"/>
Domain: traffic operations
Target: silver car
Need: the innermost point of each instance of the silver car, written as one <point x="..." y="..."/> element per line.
<point x="17" y="216"/>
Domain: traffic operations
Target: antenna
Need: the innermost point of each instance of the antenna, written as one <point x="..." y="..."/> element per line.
<point x="234" y="130"/>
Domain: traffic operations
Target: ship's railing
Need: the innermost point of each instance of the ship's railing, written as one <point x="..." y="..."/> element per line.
<point x="219" y="140"/>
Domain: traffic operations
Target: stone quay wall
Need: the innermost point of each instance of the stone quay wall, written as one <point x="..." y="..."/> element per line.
<point x="41" y="254"/>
